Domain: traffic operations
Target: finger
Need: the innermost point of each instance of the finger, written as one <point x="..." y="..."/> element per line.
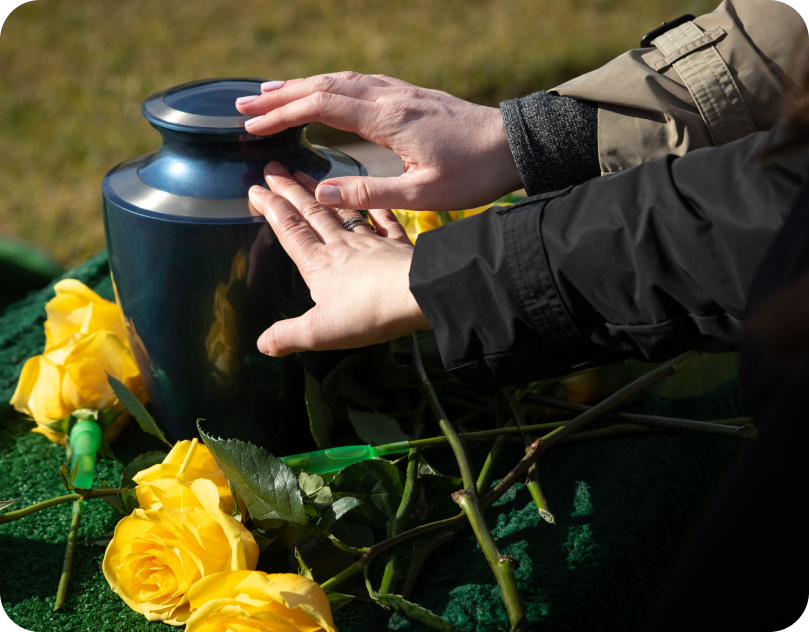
<point x="387" y="225"/>
<point x="394" y="81"/>
<point x="293" y="231"/>
<point x="294" y="91"/>
<point x="321" y="218"/>
<point x="289" y="336"/>
<point x="310" y="184"/>
<point x="269" y="86"/>
<point x="371" y="80"/>
<point x="364" y="192"/>
<point x="335" y="110"/>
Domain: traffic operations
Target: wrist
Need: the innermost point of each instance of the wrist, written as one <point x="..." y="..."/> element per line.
<point x="499" y="154"/>
<point x="407" y="317"/>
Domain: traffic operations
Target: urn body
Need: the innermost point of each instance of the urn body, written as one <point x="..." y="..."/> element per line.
<point x="198" y="273"/>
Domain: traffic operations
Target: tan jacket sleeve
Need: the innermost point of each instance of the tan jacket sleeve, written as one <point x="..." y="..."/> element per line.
<point x="645" y="113"/>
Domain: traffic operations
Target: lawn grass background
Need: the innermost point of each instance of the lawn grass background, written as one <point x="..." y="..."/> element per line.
<point x="73" y="74"/>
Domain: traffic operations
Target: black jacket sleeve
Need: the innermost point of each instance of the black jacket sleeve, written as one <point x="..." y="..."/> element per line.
<point x="643" y="264"/>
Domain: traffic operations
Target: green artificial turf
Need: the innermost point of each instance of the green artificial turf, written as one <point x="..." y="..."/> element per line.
<point x="624" y="509"/>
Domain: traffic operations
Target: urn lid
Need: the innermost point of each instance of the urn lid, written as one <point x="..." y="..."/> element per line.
<point x="207" y="105"/>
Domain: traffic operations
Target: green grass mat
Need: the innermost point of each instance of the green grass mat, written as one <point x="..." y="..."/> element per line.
<point x="624" y="509"/>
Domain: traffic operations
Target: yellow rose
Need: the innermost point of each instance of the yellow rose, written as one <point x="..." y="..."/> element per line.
<point x="255" y="601"/>
<point x="156" y="556"/>
<point x="167" y="484"/>
<point x="76" y="309"/>
<point x="72" y="374"/>
<point x="417" y="222"/>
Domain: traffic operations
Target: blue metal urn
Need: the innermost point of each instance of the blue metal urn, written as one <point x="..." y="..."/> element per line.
<point x="198" y="273"/>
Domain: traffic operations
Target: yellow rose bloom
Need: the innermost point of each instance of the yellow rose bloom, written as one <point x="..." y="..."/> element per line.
<point x="417" y="222"/>
<point x="156" y="556"/>
<point x="72" y="374"/>
<point x="76" y="309"/>
<point x="256" y="601"/>
<point x="167" y="484"/>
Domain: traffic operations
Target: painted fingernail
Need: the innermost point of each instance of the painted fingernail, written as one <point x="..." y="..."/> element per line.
<point x="329" y="195"/>
<point x="262" y="344"/>
<point x="253" y="121"/>
<point x="269" y="86"/>
<point x="276" y="168"/>
<point x="250" y="99"/>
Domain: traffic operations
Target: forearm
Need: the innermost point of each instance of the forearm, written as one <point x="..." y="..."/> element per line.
<point x="643" y="264"/>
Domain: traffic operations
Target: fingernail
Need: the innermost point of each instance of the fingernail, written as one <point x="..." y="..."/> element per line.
<point x="329" y="195"/>
<point x="256" y="191"/>
<point x="250" y="99"/>
<point x="253" y="121"/>
<point x="269" y="86"/>
<point x="276" y="168"/>
<point x="262" y="344"/>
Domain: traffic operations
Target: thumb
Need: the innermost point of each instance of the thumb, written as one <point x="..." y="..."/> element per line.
<point x="288" y="336"/>
<point x="408" y="191"/>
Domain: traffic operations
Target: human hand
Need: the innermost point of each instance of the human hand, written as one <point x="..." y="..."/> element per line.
<point x="359" y="280"/>
<point x="456" y="153"/>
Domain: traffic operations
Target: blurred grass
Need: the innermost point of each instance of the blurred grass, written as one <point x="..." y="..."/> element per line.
<point x="73" y="74"/>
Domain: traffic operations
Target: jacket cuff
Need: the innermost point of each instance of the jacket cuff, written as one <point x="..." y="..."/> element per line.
<point x="554" y="140"/>
<point x="486" y="289"/>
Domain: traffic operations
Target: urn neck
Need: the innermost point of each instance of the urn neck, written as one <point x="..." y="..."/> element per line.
<point x="225" y="166"/>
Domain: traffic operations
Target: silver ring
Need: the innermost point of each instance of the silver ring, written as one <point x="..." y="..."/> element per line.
<point x="357" y="220"/>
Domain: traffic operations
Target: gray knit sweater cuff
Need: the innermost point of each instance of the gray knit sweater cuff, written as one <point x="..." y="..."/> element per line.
<point x="554" y="140"/>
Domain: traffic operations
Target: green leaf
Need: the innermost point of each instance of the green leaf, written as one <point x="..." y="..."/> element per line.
<point x="267" y="486"/>
<point x="138" y="464"/>
<point x="338" y="600"/>
<point x="136" y="409"/>
<point x="312" y="511"/>
<point x="360" y="535"/>
<point x="310" y="483"/>
<point x="392" y="371"/>
<point x="303" y="569"/>
<point x="5" y="504"/>
<point x="376" y="428"/>
<point x="701" y="375"/>
<point x="235" y="512"/>
<point x="105" y="450"/>
<point x="411" y="611"/>
<point x="107" y="417"/>
<point x="332" y="379"/>
<point x="65" y="424"/>
<point x="448" y="483"/>
<point x="336" y="511"/>
<point x="320" y="417"/>
<point x="351" y="389"/>
<point x="377" y="483"/>
<point x="129" y="500"/>
<point x="425" y="469"/>
<point x="322" y="558"/>
<point x="262" y="541"/>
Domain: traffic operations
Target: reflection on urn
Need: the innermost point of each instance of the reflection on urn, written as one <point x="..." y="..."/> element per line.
<point x="222" y="342"/>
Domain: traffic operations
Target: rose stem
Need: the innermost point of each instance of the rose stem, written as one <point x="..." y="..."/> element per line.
<point x="11" y="516"/>
<point x="487" y="471"/>
<point x="396" y="526"/>
<point x="422" y="551"/>
<point x="531" y="455"/>
<point x="467" y="498"/>
<point x="532" y="480"/>
<point x="425" y="548"/>
<point x="71" y="547"/>
<point x="719" y="426"/>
